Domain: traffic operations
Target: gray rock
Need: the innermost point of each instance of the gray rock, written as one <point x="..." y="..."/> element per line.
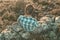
<point x="1" y="36"/>
<point x="52" y="36"/>
<point x="57" y="19"/>
<point x="12" y="32"/>
<point x="26" y="35"/>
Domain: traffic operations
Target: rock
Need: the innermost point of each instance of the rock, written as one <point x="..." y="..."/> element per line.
<point x="12" y="32"/>
<point x="38" y="30"/>
<point x="52" y="36"/>
<point x="1" y="36"/>
<point x="26" y="35"/>
<point x="57" y="19"/>
<point x="46" y="19"/>
<point x="10" y="10"/>
<point x="45" y="26"/>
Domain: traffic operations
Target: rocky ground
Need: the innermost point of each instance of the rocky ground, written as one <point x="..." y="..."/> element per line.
<point x="45" y="11"/>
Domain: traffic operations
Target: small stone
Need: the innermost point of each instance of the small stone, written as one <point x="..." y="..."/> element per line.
<point x="26" y="35"/>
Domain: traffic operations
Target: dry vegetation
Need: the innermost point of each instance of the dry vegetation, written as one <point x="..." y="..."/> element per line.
<point x="9" y="10"/>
